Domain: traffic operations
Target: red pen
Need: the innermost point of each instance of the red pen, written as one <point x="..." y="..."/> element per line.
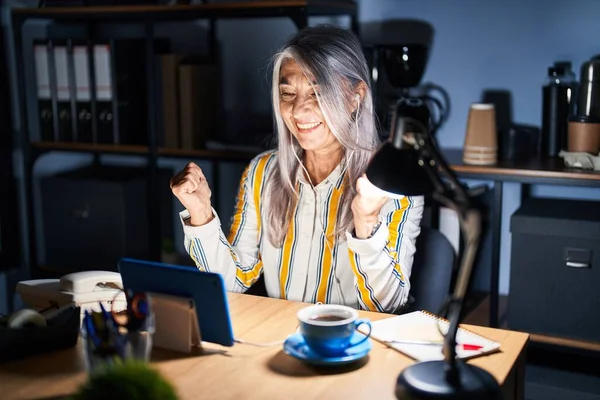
<point x="464" y="346"/>
<point x="470" y="346"/>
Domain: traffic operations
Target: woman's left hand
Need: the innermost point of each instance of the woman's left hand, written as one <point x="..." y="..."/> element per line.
<point x="365" y="209"/>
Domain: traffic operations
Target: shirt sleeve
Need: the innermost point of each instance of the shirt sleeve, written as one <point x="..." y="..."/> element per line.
<point x="237" y="256"/>
<point x="383" y="262"/>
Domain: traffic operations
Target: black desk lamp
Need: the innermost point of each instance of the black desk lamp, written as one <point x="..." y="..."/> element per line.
<point x="409" y="163"/>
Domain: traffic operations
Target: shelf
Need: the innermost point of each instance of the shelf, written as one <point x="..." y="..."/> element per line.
<point x="242" y="9"/>
<point x="535" y="170"/>
<point x="90" y="147"/>
<point x="207" y="154"/>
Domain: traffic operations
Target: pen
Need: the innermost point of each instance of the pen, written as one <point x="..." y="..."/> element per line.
<point x="91" y="330"/>
<point x="464" y="346"/>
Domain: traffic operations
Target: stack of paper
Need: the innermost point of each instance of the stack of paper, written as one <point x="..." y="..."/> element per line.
<point x="421" y="326"/>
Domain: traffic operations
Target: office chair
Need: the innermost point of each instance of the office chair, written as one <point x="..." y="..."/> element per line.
<point x="432" y="271"/>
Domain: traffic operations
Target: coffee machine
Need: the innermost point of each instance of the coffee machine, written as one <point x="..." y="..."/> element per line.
<point x="397" y="52"/>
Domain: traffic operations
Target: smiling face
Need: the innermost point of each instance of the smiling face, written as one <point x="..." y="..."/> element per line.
<point x="300" y="110"/>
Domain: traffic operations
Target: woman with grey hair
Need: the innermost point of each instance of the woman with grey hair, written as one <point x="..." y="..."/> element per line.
<point x="303" y="217"/>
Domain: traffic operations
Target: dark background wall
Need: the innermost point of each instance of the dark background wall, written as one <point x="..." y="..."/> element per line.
<point x="478" y="46"/>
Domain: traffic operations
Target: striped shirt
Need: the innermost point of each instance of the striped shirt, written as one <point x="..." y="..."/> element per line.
<point x="310" y="266"/>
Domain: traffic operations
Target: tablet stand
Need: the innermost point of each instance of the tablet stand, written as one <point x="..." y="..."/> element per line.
<point x="176" y="323"/>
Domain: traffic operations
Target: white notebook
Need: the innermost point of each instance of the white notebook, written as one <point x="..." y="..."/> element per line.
<point x="421" y="326"/>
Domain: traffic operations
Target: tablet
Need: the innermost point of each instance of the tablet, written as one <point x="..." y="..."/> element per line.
<point x="205" y="288"/>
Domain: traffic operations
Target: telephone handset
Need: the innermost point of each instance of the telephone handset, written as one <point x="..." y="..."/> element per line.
<point x="86" y="289"/>
<point x="88" y="281"/>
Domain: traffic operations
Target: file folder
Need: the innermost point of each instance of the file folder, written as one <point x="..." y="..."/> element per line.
<point x="83" y="106"/>
<point x="44" y="93"/>
<point x="63" y="92"/>
<point x="170" y="99"/>
<point x="131" y="91"/>
<point x="105" y="108"/>
<point x="198" y="102"/>
<point x="122" y="90"/>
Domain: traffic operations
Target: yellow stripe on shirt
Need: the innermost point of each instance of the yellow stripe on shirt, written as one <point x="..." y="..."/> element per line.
<point x="239" y="214"/>
<point x="361" y="280"/>
<point x="259" y="175"/>
<point x="247" y="277"/>
<point x="327" y="241"/>
<point x="393" y="246"/>
<point x="191" y="252"/>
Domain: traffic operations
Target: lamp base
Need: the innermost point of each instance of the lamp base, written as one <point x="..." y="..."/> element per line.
<point x="427" y="380"/>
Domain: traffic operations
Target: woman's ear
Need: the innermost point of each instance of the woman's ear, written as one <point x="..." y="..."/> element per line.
<point x="360" y="91"/>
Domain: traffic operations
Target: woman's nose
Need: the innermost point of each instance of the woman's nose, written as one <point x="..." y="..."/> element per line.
<point x="301" y="106"/>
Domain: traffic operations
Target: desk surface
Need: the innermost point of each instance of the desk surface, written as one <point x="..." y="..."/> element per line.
<point x="549" y="171"/>
<point x="248" y="372"/>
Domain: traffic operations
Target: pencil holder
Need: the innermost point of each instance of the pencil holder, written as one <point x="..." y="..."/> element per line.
<point x="111" y="338"/>
<point x="139" y="342"/>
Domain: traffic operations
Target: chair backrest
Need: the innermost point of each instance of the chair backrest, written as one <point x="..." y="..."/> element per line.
<point x="432" y="270"/>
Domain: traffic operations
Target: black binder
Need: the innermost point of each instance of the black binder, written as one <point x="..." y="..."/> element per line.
<point x="130" y="73"/>
<point x="111" y="94"/>
<point x="80" y="59"/>
<point x="63" y="91"/>
<point x="41" y="50"/>
<point x="104" y="88"/>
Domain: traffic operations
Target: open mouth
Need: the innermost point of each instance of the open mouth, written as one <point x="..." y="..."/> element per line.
<point x="307" y="127"/>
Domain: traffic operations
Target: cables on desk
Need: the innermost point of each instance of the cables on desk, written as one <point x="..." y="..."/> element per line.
<point x="267" y="344"/>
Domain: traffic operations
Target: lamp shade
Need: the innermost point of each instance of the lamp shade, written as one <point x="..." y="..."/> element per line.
<point x="398" y="171"/>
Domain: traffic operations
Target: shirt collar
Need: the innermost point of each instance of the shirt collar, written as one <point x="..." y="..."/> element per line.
<point x="333" y="178"/>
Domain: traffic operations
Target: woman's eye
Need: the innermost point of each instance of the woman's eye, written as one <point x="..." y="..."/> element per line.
<point x="286" y="95"/>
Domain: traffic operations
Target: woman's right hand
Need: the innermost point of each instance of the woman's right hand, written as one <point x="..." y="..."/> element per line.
<point x="191" y="189"/>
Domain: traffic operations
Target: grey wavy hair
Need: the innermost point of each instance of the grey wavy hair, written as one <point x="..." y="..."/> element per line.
<point x="333" y="57"/>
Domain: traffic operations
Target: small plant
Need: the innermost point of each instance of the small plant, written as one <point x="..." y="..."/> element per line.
<point x="131" y="380"/>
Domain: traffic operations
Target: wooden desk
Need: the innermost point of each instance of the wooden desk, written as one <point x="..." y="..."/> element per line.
<point x="248" y="372"/>
<point x="530" y="172"/>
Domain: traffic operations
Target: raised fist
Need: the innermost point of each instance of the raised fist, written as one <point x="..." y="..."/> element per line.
<point x="191" y="189"/>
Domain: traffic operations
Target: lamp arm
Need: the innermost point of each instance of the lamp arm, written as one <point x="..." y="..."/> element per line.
<point x="470" y="226"/>
<point x="470" y="219"/>
<point x="447" y="379"/>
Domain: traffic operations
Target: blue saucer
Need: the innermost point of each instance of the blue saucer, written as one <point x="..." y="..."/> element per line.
<point x="295" y="346"/>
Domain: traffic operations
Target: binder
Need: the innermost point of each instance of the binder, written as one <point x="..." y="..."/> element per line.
<point x="198" y="103"/>
<point x="83" y="106"/>
<point x="105" y="108"/>
<point x="63" y="92"/>
<point x="169" y="64"/>
<point x="131" y="92"/>
<point x="120" y="70"/>
<point x="44" y="94"/>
